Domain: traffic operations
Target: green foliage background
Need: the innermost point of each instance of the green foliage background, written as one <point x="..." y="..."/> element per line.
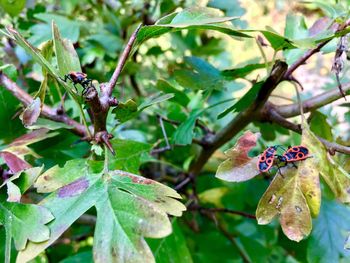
<point x="198" y="66"/>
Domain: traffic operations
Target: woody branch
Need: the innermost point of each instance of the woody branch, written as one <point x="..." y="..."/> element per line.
<point x="47" y="112"/>
<point x="264" y="108"/>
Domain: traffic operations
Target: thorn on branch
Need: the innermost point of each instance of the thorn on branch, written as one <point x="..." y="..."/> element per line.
<point x="104" y="137"/>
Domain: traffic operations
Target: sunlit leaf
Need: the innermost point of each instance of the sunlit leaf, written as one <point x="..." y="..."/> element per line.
<point x="239" y="166"/>
<point x="129" y="208"/>
<point x="192" y="18"/>
<point x="31" y="113"/>
<point x="284" y="197"/>
<point x="326" y="243"/>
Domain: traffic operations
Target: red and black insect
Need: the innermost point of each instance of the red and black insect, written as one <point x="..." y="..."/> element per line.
<point x="291" y="155"/>
<point x="294" y="154"/>
<point x="266" y="159"/>
<point x="78" y="78"/>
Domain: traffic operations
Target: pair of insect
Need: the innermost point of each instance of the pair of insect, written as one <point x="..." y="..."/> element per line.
<point x="78" y="78"/>
<point x="291" y="155"/>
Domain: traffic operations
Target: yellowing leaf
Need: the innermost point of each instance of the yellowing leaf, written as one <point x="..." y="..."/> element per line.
<point x="284" y="197"/>
<point x="334" y="175"/>
<point x="239" y="166"/>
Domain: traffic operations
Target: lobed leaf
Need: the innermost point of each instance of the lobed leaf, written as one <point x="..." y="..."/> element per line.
<point x="191" y="18"/>
<point x="239" y="166"/>
<point x="129" y="208"/>
<point x="284" y="197"/>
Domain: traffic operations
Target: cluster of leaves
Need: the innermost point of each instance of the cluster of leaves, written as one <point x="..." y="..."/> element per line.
<point x="74" y="201"/>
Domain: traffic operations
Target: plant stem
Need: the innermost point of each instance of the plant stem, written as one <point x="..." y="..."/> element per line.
<point x="106" y="161"/>
<point x="8" y="234"/>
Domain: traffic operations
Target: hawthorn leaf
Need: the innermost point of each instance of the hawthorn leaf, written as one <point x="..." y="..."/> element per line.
<point x="191" y="18"/>
<point x="284" y="197"/>
<point x="184" y="133"/>
<point x="172" y="248"/>
<point x="13" y="192"/>
<point x="31" y="113"/>
<point x="243" y="71"/>
<point x="333" y="174"/>
<point x="33" y="51"/>
<point x="179" y="96"/>
<point x="12" y="8"/>
<point x="67" y="57"/>
<point x="239" y="166"/>
<point x="154" y="99"/>
<point x="130" y="155"/>
<point x="14" y="162"/>
<point x="310" y="185"/>
<point x="49" y="182"/>
<point x="326" y="243"/>
<point x="129" y="208"/>
<point x="245" y="101"/>
<point x="15" y="152"/>
<point x="125" y="111"/>
<point x="24" y="222"/>
<point x="48" y="124"/>
<point x="320" y="126"/>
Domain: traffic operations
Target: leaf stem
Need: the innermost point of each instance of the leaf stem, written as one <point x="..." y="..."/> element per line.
<point x="263" y="55"/>
<point x="106" y="161"/>
<point x="8" y="240"/>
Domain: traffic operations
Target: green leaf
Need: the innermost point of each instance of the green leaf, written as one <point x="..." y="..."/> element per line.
<point x="39" y="58"/>
<point x="41" y="32"/>
<point x="184" y="133"/>
<point x="277" y="41"/>
<point x="173" y="248"/>
<point x="85" y="257"/>
<point x="34" y="52"/>
<point x="242" y="71"/>
<point x="129" y="155"/>
<point x="295" y="29"/>
<point x="10" y="71"/>
<point x="333" y="174"/>
<point x="129" y="208"/>
<point x="326" y="243"/>
<point x="192" y="18"/>
<point x="13" y="8"/>
<point x="245" y="101"/>
<point x="203" y="75"/>
<point x="284" y="197"/>
<point x="239" y="166"/>
<point x="125" y="111"/>
<point x="320" y="126"/>
<point x="70" y="172"/>
<point x="25" y="222"/>
<point x="67" y="57"/>
<point x="154" y="99"/>
<point x="48" y="124"/>
<point x="179" y="96"/>
<point x="10" y="128"/>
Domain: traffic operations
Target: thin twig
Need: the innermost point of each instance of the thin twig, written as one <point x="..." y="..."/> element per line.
<point x="311" y="52"/>
<point x="221" y="210"/>
<point x="280" y="120"/>
<point x="167" y="147"/>
<point x="313" y="103"/>
<point x="47" y="112"/>
<point x="124" y="56"/>
<point x="198" y="123"/>
<point x="228" y="235"/>
<point x="242" y="119"/>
